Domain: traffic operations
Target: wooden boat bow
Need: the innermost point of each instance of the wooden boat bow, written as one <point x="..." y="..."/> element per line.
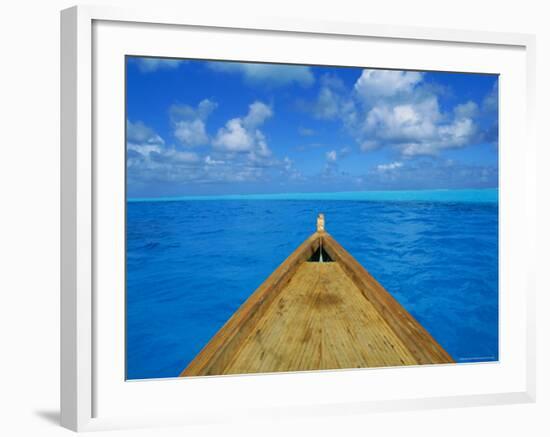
<point x="312" y="315"/>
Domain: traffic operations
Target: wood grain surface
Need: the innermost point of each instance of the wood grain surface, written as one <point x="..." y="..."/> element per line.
<point x="317" y="316"/>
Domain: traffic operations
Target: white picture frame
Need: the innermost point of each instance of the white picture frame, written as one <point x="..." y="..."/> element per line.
<point x="84" y="172"/>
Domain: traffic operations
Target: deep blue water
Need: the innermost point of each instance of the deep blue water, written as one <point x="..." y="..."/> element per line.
<point x="191" y="264"/>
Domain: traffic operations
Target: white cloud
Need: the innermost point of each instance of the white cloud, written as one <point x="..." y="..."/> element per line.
<point x="202" y="111"/>
<point x="466" y="110"/>
<point x="456" y="134"/>
<point x="489" y="112"/>
<point x="289" y="170"/>
<point x="331" y="169"/>
<point x="173" y="156"/>
<point x="150" y="65"/>
<point x="148" y="157"/>
<point x="490" y="102"/>
<point x="258" y="113"/>
<point x="389" y="167"/>
<point x="332" y="156"/>
<point x="403" y="122"/>
<point x="144" y="149"/>
<point x="328" y="104"/>
<point x="242" y="134"/>
<point x="223" y="163"/>
<point x="345" y="151"/>
<point x="386" y="83"/>
<point x="210" y="161"/>
<point x="190" y="123"/>
<point x="267" y="74"/>
<point x="430" y="172"/>
<point x="287" y="163"/>
<point x="234" y="137"/>
<point x="191" y="133"/>
<point x="330" y="100"/>
<point x="138" y="132"/>
<point x="418" y="149"/>
<point x="396" y="109"/>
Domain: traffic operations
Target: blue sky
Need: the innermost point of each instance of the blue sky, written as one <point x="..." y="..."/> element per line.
<point x="215" y="127"/>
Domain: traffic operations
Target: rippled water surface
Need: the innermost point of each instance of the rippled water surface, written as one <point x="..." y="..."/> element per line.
<point x="192" y="263"/>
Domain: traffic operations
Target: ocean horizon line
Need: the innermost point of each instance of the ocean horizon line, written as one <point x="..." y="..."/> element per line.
<point x="477" y="195"/>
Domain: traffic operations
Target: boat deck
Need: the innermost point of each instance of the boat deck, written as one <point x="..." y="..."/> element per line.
<point x="320" y="320"/>
<point x="316" y="316"/>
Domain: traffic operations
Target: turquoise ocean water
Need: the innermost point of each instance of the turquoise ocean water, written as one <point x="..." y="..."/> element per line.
<point x="192" y="261"/>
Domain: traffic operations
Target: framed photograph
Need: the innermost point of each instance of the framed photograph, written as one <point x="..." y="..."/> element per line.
<point x="275" y="218"/>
